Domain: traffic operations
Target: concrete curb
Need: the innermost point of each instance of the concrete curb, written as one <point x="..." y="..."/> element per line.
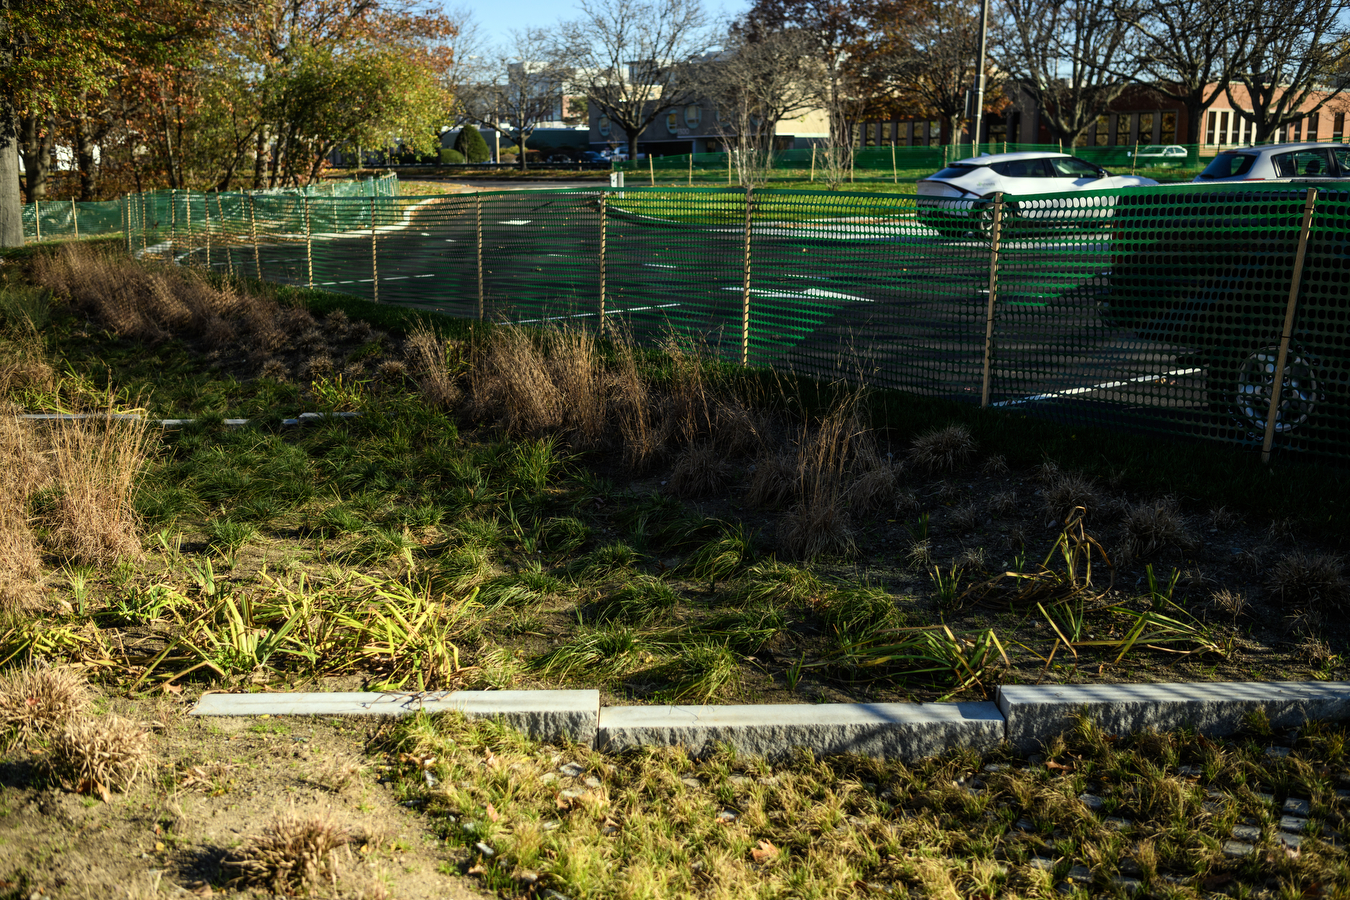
<point x="1027" y="716"/>
<point x="1035" y="714"/>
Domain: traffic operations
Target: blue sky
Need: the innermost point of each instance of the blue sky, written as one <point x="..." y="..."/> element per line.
<point x="497" y="18"/>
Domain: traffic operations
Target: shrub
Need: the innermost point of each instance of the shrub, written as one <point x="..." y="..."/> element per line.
<point x="471" y="146"/>
<point x="293" y="854"/>
<point x="451" y="157"/>
<point x="100" y="755"/>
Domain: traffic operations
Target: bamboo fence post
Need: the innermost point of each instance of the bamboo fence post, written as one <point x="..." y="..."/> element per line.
<point x="1282" y="357"/>
<point x="895" y="176"/>
<point x="206" y="215"/>
<point x="651" y="169"/>
<point x="173" y="221"/>
<point x="478" y="202"/>
<point x="745" y="285"/>
<point x="993" y="297"/>
<point x="37" y="218"/>
<point x="229" y="250"/>
<point x="813" y="163"/>
<point x="728" y="165"/>
<point x="75" y="218"/>
<point x="126" y="223"/>
<point x="144" y="222"/>
<point x="309" y="246"/>
<point x="1135" y="158"/>
<point x="374" y="252"/>
<point x="691" y="169"/>
<point x="604" y="261"/>
<point x="253" y="230"/>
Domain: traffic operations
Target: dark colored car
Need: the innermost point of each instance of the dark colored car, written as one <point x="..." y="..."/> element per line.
<point x="1208" y="269"/>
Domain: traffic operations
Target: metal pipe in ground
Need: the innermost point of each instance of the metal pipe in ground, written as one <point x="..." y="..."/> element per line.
<point x="745" y="286"/>
<point x="994" y="235"/>
<point x="1282" y="356"/>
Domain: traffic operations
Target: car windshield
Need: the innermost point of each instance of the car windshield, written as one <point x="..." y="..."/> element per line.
<point x="955" y="170"/>
<point x="1229" y="165"/>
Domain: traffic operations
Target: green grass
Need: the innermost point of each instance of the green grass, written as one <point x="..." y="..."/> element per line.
<point x="656" y="822"/>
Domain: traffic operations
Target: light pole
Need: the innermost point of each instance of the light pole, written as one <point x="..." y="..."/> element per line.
<point x="979" y="76"/>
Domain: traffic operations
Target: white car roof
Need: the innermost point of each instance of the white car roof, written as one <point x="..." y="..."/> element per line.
<point x="1003" y="157"/>
<point x="1281" y="148"/>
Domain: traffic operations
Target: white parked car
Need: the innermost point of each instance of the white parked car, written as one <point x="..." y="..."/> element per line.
<point x="1271" y="161"/>
<point x="1155" y="153"/>
<point x="958" y="199"/>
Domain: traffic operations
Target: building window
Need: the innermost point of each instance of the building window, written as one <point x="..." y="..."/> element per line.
<point x="603" y="126"/>
<point x="1103" y="131"/>
<point x="673" y="122"/>
<point x="1169" y="128"/>
<point x="1338" y="127"/>
<point x="1298" y="131"/>
<point x="934" y="133"/>
<point x="1145" y="133"/>
<point x="1312" y="126"/>
<point x="693" y="115"/>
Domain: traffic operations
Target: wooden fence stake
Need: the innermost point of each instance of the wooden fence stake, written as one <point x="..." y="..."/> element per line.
<point x="229" y="250"/>
<point x="187" y="210"/>
<point x="206" y="214"/>
<point x="813" y="163"/>
<point x="994" y="235"/>
<point x="651" y="169"/>
<point x="309" y="246"/>
<point x="604" y="260"/>
<point x="691" y="169"/>
<point x="745" y="285"/>
<point x="478" y="202"/>
<point x="75" y="218"/>
<point x="37" y="218"/>
<point x="1282" y="357"/>
<point x="253" y="230"/>
<point x="895" y="177"/>
<point x="374" y="252"/>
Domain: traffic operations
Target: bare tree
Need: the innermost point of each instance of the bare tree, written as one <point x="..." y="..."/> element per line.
<point x="833" y="31"/>
<point x="754" y="85"/>
<point x="631" y="58"/>
<point x="1300" y="55"/>
<point x="923" y="59"/>
<point x="1073" y="56"/>
<point x="1189" y="50"/>
<point x="515" y="88"/>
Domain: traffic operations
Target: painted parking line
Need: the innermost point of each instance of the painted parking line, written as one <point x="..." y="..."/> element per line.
<point x="591" y="315"/>
<point x="798" y="295"/>
<point x="1104" y="386"/>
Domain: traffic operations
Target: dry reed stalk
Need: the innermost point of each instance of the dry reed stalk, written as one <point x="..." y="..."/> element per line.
<point x="632" y="404"/>
<point x="700" y="471"/>
<point x="578" y="375"/>
<point x="427" y="353"/>
<point x="773" y="480"/>
<point x="690" y="402"/>
<point x="510" y="382"/>
<point x="819" y="521"/>
<point x="95" y="465"/>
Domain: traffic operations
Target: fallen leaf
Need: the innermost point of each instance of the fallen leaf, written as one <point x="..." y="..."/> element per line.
<point x="477" y="869"/>
<point x="492" y="813"/>
<point x="1058" y="766"/>
<point x="171" y="688"/>
<point x="765" y="851"/>
<point x="491" y="760"/>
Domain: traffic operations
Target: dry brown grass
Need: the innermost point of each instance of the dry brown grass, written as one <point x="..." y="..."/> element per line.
<point x="1064" y="491"/>
<point x="25" y="470"/>
<point x="294" y="854"/>
<point x="1153" y="526"/>
<point x="578" y="374"/>
<point x="426" y="351"/>
<point x="819" y="522"/>
<point x="942" y="450"/>
<point x="1309" y="581"/>
<point x="95" y="465"/>
<point x="154" y="303"/>
<point x="98" y="755"/>
<point x="700" y="470"/>
<point x="510" y="383"/>
<point x="771" y="482"/>
<point x="40" y="702"/>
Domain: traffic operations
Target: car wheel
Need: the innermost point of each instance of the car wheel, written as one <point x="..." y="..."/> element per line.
<point x="984" y="218"/>
<point x="1240" y="387"/>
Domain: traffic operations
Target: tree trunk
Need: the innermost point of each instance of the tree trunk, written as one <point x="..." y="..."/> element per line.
<point x="520" y="146"/>
<point x="259" y="159"/>
<point x="36" y="147"/>
<point x="11" y="204"/>
<point x="84" y="152"/>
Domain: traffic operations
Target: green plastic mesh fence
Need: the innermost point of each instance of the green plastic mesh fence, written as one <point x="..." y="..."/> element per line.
<point x="64" y="219"/>
<point x="886" y="164"/>
<point x="1153" y="309"/>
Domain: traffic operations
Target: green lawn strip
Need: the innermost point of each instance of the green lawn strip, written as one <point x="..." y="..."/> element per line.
<point x="1094" y="815"/>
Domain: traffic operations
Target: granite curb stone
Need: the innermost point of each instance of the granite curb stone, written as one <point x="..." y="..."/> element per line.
<point x="898" y="730"/>
<point x="1036" y="713"/>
